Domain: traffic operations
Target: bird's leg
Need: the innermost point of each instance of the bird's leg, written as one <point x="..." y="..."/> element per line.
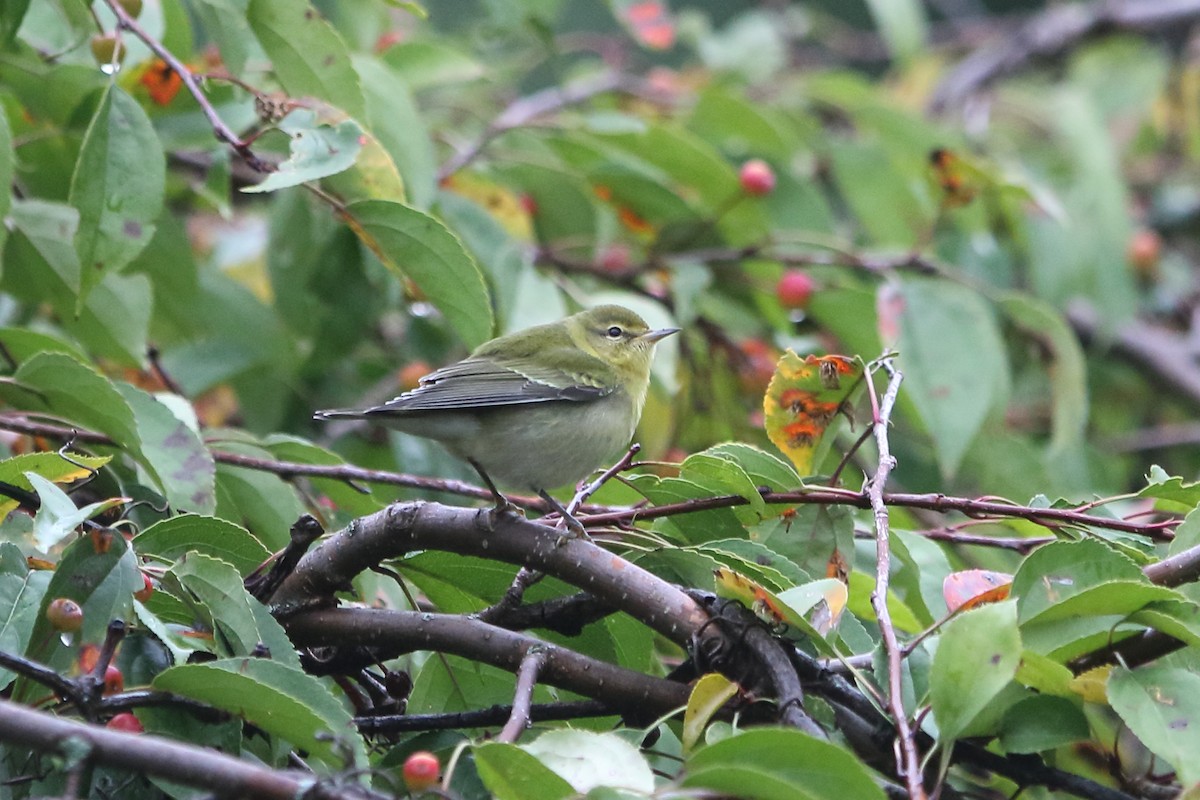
<point x="503" y="506"/>
<point x="575" y="529"/>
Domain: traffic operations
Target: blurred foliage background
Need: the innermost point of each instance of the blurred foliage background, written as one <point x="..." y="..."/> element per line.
<point x="1003" y="194"/>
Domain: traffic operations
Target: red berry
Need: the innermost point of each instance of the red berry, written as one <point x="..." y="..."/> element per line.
<point x="114" y="681"/>
<point x="126" y="722"/>
<point x="143" y="594"/>
<point x="529" y="203"/>
<point x="757" y="177"/>
<point x="421" y="771"/>
<point x="1143" y="252"/>
<point x="65" y="615"/>
<point x="615" y="259"/>
<point x="794" y="289"/>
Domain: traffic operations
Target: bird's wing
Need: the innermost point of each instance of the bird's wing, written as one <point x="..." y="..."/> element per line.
<point x="483" y="382"/>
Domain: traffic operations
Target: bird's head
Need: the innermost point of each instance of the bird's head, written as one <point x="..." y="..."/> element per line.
<point x="619" y="338"/>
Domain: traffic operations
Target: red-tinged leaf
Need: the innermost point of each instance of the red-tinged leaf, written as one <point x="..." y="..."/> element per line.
<point x="974" y="587"/>
<point x="735" y="586"/>
<point x="959" y="181"/>
<point x="649" y="22"/>
<point x="162" y="82"/>
<point x="802" y="400"/>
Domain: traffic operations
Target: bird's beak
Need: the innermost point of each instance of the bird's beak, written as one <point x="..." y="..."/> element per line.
<point x="661" y="333"/>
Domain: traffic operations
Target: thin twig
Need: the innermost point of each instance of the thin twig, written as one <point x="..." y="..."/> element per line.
<point x="583" y="494"/>
<point x="527" y="675"/>
<point x="220" y="129"/>
<point x="910" y="759"/>
<point x="982" y="509"/>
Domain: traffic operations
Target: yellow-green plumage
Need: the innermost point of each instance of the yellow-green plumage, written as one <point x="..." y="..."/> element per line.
<point x="539" y="408"/>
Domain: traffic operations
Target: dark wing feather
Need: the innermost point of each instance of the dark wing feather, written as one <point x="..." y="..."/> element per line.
<point x="483" y="383"/>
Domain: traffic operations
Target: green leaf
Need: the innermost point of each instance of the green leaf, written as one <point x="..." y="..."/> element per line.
<point x="6" y="154"/>
<point x="51" y="228"/>
<point x="763" y="468"/>
<point x="316" y="150"/>
<point x="22" y="344"/>
<point x="708" y="695"/>
<point x="1066" y="370"/>
<point x="280" y="699"/>
<point x="418" y="246"/>
<point x="263" y="503"/>
<point x="1161" y="705"/>
<point x="219" y="538"/>
<point x="1060" y="570"/>
<point x="171" y="449"/>
<point x="99" y="572"/>
<point x="307" y="55"/>
<point x="902" y="25"/>
<point x="51" y="466"/>
<point x="11" y="14"/>
<point x="117" y="188"/>
<point x="881" y="197"/>
<point x="80" y="394"/>
<point x="238" y="625"/>
<point x="1162" y="486"/>
<point x="510" y="773"/>
<point x="780" y="764"/>
<point x="721" y="476"/>
<point x="20" y="602"/>
<point x="1042" y="722"/>
<point x="587" y="760"/>
<point x="397" y="123"/>
<point x="977" y="656"/>
<point x="456" y="684"/>
<point x="57" y="517"/>
<point x="954" y="363"/>
<point x="427" y="64"/>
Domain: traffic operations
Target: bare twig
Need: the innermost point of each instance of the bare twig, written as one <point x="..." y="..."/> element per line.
<point x="910" y="758"/>
<point x="525" y="110"/>
<point x="527" y="675"/>
<point x="1053" y="32"/>
<point x="480" y="718"/>
<point x="220" y="129"/>
<point x="1053" y="518"/>
<point x="583" y="494"/>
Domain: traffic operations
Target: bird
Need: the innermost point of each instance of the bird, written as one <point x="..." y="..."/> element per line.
<point x="535" y="409"/>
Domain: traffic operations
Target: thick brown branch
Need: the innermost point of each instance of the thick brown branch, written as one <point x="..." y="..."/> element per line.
<point x="393" y="633"/>
<point x="407" y="527"/>
<point x="164" y="758"/>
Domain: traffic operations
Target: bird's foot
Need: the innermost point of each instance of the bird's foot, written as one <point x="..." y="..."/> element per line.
<point x="574" y="528"/>
<point x="488" y="518"/>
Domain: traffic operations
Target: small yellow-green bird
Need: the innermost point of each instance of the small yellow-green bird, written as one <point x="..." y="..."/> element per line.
<point x="539" y="408"/>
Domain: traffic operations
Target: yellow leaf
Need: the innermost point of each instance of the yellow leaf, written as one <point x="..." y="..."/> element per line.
<point x="1093" y="684"/>
<point x="803" y="398"/>
<point x="708" y="695"/>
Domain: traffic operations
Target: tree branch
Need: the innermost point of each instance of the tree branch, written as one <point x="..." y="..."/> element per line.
<point x="1052" y="33"/>
<point x="527" y="676"/>
<point x="910" y="758"/>
<point x="152" y="755"/>
<point x="392" y="633"/>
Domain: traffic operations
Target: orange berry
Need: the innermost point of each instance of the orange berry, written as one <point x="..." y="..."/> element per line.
<point x="65" y="615"/>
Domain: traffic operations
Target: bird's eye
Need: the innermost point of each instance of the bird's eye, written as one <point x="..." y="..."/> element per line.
<point x="615" y="332"/>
